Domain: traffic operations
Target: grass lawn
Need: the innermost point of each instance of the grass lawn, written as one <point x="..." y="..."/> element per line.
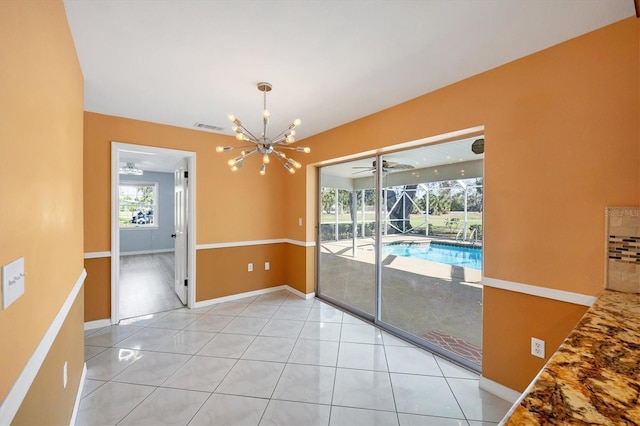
<point x="473" y="218"/>
<point x="439" y="225"/>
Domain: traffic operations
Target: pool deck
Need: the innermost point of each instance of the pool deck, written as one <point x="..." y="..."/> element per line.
<point x="427" y="299"/>
<point x="365" y="253"/>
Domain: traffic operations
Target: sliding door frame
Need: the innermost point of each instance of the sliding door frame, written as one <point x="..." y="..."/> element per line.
<point x="376" y="319"/>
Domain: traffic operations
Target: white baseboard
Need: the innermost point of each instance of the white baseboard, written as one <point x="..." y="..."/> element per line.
<point x="133" y="253"/>
<point x="301" y="294"/>
<point x="19" y="390"/>
<point x="239" y="296"/>
<point x="92" y="325"/>
<point x="499" y="390"/>
<point x="252" y="293"/>
<point x="78" y="395"/>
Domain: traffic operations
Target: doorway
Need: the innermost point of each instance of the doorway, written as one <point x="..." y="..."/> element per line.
<point x="153" y="224"/>
<point x="401" y="244"/>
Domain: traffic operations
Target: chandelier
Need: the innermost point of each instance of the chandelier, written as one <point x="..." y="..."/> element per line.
<point x="264" y="145"/>
<point x="130" y="169"/>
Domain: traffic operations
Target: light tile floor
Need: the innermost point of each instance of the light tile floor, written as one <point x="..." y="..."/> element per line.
<point x="272" y="359"/>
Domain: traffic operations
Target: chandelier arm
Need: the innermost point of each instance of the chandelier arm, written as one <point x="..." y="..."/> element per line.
<point x="247" y="132"/>
<point x="280" y="135"/>
<point x="243" y="146"/>
<point x="248" y="154"/>
<point x="282" y="140"/>
<point x="279" y="158"/>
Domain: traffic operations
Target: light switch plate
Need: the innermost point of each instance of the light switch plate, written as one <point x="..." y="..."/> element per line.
<point x="12" y="282"/>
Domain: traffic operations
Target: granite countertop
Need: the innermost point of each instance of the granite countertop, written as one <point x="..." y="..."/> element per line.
<point x="594" y="377"/>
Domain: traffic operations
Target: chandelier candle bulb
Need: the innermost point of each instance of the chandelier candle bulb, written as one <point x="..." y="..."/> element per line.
<point x="263" y="170"/>
<point x="265" y="159"/>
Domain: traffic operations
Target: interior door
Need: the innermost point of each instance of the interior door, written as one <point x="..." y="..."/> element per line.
<point x="180" y="235"/>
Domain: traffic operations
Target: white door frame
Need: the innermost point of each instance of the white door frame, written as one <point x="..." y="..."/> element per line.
<point x="190" y="157"/>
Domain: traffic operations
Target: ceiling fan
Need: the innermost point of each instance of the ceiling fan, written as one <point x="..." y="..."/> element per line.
<point x="387" y="166"/>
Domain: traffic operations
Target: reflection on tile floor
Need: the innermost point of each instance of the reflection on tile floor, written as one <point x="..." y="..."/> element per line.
<point x="272" y="359"/>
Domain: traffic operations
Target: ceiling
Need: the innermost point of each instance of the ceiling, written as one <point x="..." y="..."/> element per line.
<point x="330" y="62"/>
<point x="151" y="162"/>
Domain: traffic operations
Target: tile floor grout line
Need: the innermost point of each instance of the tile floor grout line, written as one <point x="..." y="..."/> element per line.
<point x="386" y="359"/>
<point x="198" y="410"/>
<point x="335" y="376"/>
<point x="456" y="398"/>
<point x="138" y="404"/>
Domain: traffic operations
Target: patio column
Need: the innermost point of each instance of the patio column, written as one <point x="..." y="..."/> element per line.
<point x="466" y="193"/>
<point x="426" y="213"/>
<point x="335" y="208"/>
<point x="364" y="228"/>
<point x="384" y="208"/>
<point x="354" y="222"/>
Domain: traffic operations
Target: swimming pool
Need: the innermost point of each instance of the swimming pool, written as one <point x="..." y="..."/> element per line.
<point x="466" y="257"/>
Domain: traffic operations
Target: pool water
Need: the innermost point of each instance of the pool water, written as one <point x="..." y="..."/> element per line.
<point x="465" y="257"/>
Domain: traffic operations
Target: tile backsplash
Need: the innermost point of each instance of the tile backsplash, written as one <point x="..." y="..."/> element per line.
<point x="623" y="249"/>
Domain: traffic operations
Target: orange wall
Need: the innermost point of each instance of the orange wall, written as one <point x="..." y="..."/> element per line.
<point x="519" y="317"/>
<point x="223" y="271"/>
<point x="230" y="207"/>
<point x="41" y="219"/>
<point x="97" y="289"/>
<point x="562" y="133"/>
<point x="48" y="402"/>
<point x="301" y="268"/>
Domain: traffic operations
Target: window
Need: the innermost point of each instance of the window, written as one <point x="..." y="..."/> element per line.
<point x="138" y="204"/>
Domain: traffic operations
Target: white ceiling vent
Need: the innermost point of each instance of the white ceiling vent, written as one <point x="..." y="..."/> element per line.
<point x="208" y="127"/>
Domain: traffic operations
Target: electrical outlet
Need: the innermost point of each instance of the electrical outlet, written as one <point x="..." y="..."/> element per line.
<point x="64" y="375"/>
<point x="537" y="347"/>
<point x="250" y="267"/>
<point x="266" y="266"/>
<point x="299" y="221"/>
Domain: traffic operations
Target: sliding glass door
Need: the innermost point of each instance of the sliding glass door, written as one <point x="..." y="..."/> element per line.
<point x="401" y="244"/>
<point x="346" y="263"/>
<point x="431" y="253"/>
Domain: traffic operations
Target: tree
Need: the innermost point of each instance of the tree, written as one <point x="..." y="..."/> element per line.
<point x="327" y="199"/>
<point x="439" y="203"/>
